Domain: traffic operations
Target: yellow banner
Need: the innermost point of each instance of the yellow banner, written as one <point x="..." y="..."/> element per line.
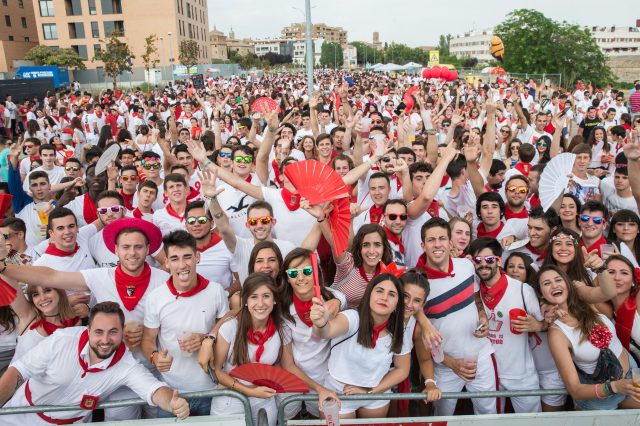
<point x="434" y="57"/>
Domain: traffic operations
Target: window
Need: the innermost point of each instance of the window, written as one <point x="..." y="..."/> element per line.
<point x="26" y="39"/>
<point x="50" y="31"/>
<point x="92" y="7"/>
<point x="76" y="30"/>
<point x="95" y="31"/>
<point x="7" y="20"/>
<point x="81" y="50"/>
<point x="110" y="7"/>
<point x="96" y="50"/>
<point x="21" y="4"/>
<point x="112" y="26"/>
<point x="24" y="22"/>
<point x="46" y="7"/>
<point x="4" y="2"/>
<point x="10" y="38"/>
<point x="73" y="7"/>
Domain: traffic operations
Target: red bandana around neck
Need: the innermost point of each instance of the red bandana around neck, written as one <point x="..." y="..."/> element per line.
<point x="89" y="209"/>
<point x="303" y="309"/>
<point x="201" y="285"/>
<point x="510" y="214"/>
<point x="55" y="251"/>
<point x="625" y="315"/>
<point x="84" y="340"/>
<point x="128" y="200"/>
<point x="482" y="232"/>
<point x="397" y="240"/>
<point x="173" y="213"/>
<point x="376" y="332"/>
<point x="130" y="288"/>
<point x="375" y="214"/>
<point x="291" y="200"/>
<point x="491" y="296"/>
<point x="540" y="255"/>
<point x="50" y="327"/>
<point x="434" y="209"/>
<point x="595" y="246"/>
<point x="138" y="214"/>
<point x="523" y="168"/>
<point x="260" y="338"/>
<point x="215" y="239"/>
<point x="363" y="274"/>
<point x="434" y="273"/>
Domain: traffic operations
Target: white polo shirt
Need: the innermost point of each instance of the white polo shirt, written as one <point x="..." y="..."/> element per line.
<point x="166" y="222"/>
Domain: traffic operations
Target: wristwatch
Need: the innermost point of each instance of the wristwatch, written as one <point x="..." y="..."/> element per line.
<point x="210" y="336"/>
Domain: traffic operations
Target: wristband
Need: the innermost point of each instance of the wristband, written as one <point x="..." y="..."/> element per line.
<point x="210" y="336"/>
<point x="608" y="388"/>
<point x="427" y="381"/>
<point x="153" y="354"/>
<point x="595" y="387"/>
<point x="325" y="324"/>
<point x="206" y="164"/>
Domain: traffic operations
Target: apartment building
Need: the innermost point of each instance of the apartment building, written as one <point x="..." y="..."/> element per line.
<point x="617" y="40"/>
<point x="18" y="33"/>
<point x="80" y="24"/>
<point x="472" y="44"/>
<point x="298" y="31"/>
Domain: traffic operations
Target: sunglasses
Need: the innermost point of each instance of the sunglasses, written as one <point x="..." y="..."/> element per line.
<point x="253" y="221"/>
<point x="596" y="219"/>
<point x="29" y="145"/>
<point x="504" y="131"/>
<point x="112" y="209"/>
<point x="307" y="271"/>
<point x="246" y="159"/>
<point x="6" y="235"/>
<point x="489" y="260"/>
<point x="394" y="216"/>
<point x="242" y="127"/>
<point x="541" y="143"/>
<point x="150" y="166"/>
<point x="200" y="219"/>
<point x="129" y="178"/>
<point x="520" y="189"/>
<point x="446" y="125"/>
<point x="385" y="159"/>
<point x="70" y="168"/>
<point x="225" y="155"/>
<point x="376" y="121"/>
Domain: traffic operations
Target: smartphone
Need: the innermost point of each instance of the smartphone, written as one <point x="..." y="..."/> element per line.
<point x="479" y="328"/>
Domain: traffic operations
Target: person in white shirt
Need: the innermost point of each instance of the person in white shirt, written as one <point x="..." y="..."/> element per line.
<point x="171" y="218"/>
<point x="48" y="156"/>
<point x="79" y="366"/>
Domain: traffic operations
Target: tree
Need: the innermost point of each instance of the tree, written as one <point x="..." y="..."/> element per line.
<point x="150" y="55"/>
<point x="38" y="54"/>
<point x="402" y="54"/>
<point x="188" y="53"/>
<point x="116" y="57"/>
<point x="66" y="57"/>
<point x="469" y="62"/>
<point x="558" y="48"/>
<point x="277" y="59"/>
<point x="331" y="55"/>
<point x="366" y="53"/>
<point x="443" y="45"/>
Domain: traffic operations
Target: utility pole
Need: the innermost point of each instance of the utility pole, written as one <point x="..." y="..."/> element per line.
<point x="310" y="53"/>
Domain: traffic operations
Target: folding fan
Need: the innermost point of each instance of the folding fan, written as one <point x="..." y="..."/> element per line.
<point x="340" y="224"/>
<point x="316" y="279"/>
<point x="5" y="202"/>
<point x="106" y="158"/>
<point x="392" y="269"/>
<point x="408" y="99"/>
<point x="7" y="293"/>
<point x="554" y="178"/>
<point x="270" y="376"/>
<point x="316" y="182"/>
<point x="264" y="104"/>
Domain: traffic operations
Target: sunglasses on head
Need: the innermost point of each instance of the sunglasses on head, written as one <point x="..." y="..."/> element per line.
<point x="246" y="159"/>
<point x="394" y="216"/>
<point x="200" y="219"/>
<point x="520" y="189"/>
<point x="596" y="219"/>
<point x="150" y="166"/>
<point x="489" y="260"/>
<point x="129" y="178"/>
<point x="225" y="155"/>
<point x="253" y="221"/>
<point x="70" y="168"/>
<point x="307" y="271"/>
<point x="112" y="209"/>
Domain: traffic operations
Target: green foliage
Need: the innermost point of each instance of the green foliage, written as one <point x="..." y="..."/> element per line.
<point x="116" y="56"/>
<point x="331" y="55"/>
<point x="188" y="53"/>
<point x="469" y="62"/>
<point x="43" y="55"/>
<point x="247" y="61"/>
<point x="401" y="54"/>
<point x="150" y="56"/>
<point x="38" y="54"/>
<point x="366" y="53"/>
<point x="536" y="44"/>
<point x="443" y="45"/>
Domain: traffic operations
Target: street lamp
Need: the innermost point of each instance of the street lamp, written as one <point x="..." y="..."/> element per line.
<point x="161" y="53"/>
<point x="309" y="45"/>
<point x="170" y="53"/>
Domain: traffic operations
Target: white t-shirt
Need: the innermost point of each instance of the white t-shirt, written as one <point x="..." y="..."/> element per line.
<point x="166" y="222"/>
<point x="235" y="203"/>
<point x="55" y="176"/>
<point x="32" y="222"/>
<point x="292" y="226"/>
<point x="215" y="264"/>
<point x="612" y="200"/>
<point x="242" y="254"/>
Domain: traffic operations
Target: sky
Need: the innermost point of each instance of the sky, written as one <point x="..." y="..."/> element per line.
<point x="415" y="23"/>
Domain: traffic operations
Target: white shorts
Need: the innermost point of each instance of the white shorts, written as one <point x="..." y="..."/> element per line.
<point x="226" y="405"/>
<point x="347" y="407"/>
<point x="522" y="404"/>
<point x="552" y="380"/>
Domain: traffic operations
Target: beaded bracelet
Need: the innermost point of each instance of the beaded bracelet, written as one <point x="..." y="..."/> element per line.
<point x="595" y="387"/>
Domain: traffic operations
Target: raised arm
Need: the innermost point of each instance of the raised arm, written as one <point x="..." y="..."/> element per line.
<point x="262" y="157"/>
<point x="432" y="185"/>
<point x="632" y="152"/>
<point x="489" y="140"/>
<point x="471" y="152"/>
<point x="558" y="123"/>
<point x="313" y="114"/>
<point x="220" y="219"/>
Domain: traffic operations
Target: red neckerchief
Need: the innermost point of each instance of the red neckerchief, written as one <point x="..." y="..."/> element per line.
<point x="215" y="239"/>
<point x="394" y="239"/>
<point x="491" y="296"/>
<point x="84" y="339"/>
<point x="534" y="201"/>
<point x="99" y="114"/>
<point x="55" y="251"/>
<point x="260" y="338"/>
<point x="434" y="209"/>
<point x="130" y="288"/>
<point x="625" y="315"/>
<point x="249" y="178"/>
<point x="540" y="255"/>
<point x="482" y="232"/>
<point x="490" y="189"/>
<point x="128" y="200"/>
<point x="193" y="195"/>
<point x="89" y="209"/>
<point x="375" y="214"/>
<point x="510" y="214"/>
<point x="50" y="327"/>
<point x="444" y="181"/>
<point x="303" y="309"/>
<point x="376" y="332"/>
<point x="434" y="273"/>
<point x="173" y="213"/>
<point x="523" y="168"/>
<point x="138" y="214"/>
<point x="398" y="184"/>
<point x="363" y="274"/>
<point x="595" y="246"/>
<point x="201" y="285"/>
<point x="276" y="172"/>
<point x="291" y="200"/>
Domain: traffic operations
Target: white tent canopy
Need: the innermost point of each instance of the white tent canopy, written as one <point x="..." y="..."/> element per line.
<point x="389" y="68"/>
<point x="411" y="66"/>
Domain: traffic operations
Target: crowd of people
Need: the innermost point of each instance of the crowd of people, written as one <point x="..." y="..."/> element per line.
<point x="157" y="267"/>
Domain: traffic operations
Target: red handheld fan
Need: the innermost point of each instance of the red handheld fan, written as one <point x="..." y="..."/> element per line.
<point x="315" y="181"/>
<point x="264" y="104"/>
<point x="270" y="376"/>
<point x="340" y="223"/>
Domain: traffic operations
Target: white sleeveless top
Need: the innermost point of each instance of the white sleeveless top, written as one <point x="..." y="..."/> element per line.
<point x="27" y="341"/>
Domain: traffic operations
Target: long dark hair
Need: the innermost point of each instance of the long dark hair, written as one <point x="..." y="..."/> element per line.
<point x="7" y="319"/>
<point x="583" y="312"/>
<point x="621" y="258"/>
<point x="264" y="245"/>
<point x="575" y="270"/>
<point x="240" y="353"/>
<point x="623" y="216"/>
<point x="528" y="265"/>
<point x="287" y="290"/>
<point x="395" y="327"/>
<point x="105" y="136"/>
<point x="356" y="245"/>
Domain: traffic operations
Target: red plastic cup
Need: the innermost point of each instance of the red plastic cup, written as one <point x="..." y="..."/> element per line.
<point x="513" y="315"/>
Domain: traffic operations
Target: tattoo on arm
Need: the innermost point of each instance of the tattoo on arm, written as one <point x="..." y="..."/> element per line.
<point x="479" y="304"/>
<point x="19" y="380"/>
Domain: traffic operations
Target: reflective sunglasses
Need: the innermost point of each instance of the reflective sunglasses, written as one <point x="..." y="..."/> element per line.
<point x="394" y="216"/>
<point x="200" y="219"/>
<point x="113" y="209"/>
<point x="150" y="166"/>
<point x="489" y="260"/>
<point x="307" y="271"/>
<point x="541" y="143"/>
<point x="225" y="155"/>
<point x="129" y="178"/>
<point x="70" y="168"/>
<point x="6" y="235"/>
<point x="385" y="159"/>
<point x="253" y="221"/>
<point x="598" y="220"/>
<point x="246" y="159"/>
<point x="520" y="189"/>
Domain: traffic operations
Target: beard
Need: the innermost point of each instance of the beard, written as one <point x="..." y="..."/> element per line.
<point x="103" y="356"/>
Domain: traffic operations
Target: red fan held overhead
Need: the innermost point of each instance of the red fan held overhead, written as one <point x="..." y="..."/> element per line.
<point x="316" y="182"/>
<point x="265" y="104"/>
<point x="7" y="293"/>
<point x="316" y="273"/>
<point x="340" y="223"/>
<point x="408" y="98"/>
<point x="270" y="376"/>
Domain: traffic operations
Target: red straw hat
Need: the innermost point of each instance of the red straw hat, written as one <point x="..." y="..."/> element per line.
<point x="111" y="232"/>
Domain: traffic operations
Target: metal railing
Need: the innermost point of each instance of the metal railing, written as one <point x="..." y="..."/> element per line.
<point x="416" y="396"/>
<point x="136" y="401"/>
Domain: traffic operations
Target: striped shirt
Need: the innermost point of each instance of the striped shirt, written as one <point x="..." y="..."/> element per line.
<point x="349" y="281"/>
<point x="634" y="100"/>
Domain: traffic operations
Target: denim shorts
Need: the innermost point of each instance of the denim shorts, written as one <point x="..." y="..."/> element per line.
<point x="608" y="403"/>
